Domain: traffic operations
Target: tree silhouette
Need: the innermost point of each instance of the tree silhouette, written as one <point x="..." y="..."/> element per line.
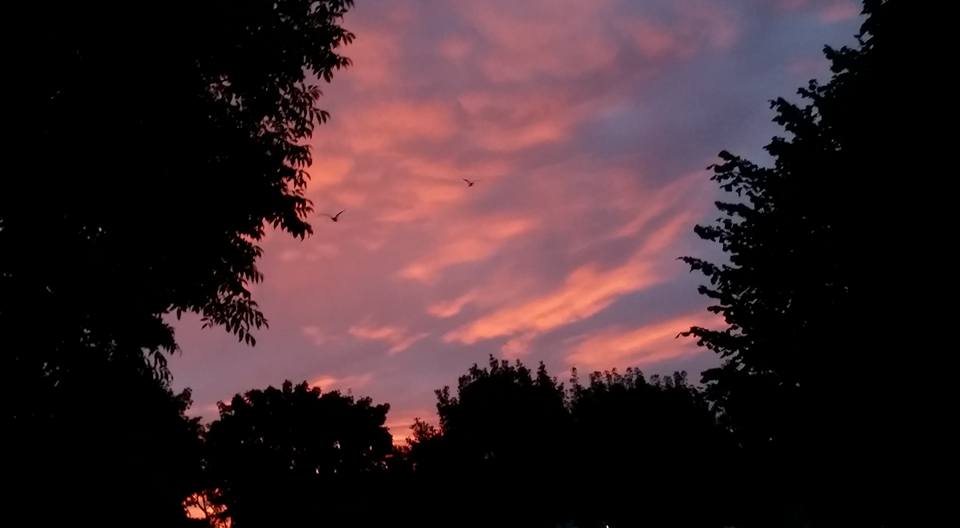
<point x="206" y="507"/>
<point x="647" y="453"/>
<point x="155" y="143"/>
<point x="295" y="457"/>
<point x="502" y="440"/>
<point x="112" y="446"/>
<point x="515" y="449"/>
<point x="814" y="252"/>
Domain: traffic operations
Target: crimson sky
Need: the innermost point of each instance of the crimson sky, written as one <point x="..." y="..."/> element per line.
<point x="587" y="123"/>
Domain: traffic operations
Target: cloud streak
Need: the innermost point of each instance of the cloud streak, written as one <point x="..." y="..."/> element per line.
<point x="639" y="347"/>
<point x="398" y="337"/>
<point x="330" y="383"/>
<point x="585" y="291"/>
<point x="466" y="244"/>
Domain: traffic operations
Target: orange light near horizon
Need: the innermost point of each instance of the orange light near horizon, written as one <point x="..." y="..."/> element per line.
<point x="201" y="506"/>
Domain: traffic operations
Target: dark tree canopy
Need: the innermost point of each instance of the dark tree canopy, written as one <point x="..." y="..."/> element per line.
<point x="496" y="458"/>
<point x="155" y="145"/>
<point x="295" y="456"/>
<point x="647" y="452"/>
<point x="114" y="448"/>
<point x="151" y="145"/>
<point x="814" y="289"/>
<point x="503" y="417"/>
<point x="514" y="448"/>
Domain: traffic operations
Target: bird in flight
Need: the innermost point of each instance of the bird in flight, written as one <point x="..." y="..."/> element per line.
<point x="470" y="183"/>
<point x="336" y="217"/>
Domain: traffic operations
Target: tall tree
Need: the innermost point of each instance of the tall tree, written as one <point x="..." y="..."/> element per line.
<point x="152" y="145"/>
<point x="813" y="291"/>
<point x="155" y="145"/>
<point x="295" y="456"/>
<point x="502" y="440"/>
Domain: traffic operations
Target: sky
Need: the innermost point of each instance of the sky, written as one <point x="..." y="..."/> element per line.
<point x="587" y="126"/>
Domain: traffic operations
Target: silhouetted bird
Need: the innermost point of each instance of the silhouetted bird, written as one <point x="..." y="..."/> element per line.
<point x="470" y="183"/>
<point x="336" y="217"/>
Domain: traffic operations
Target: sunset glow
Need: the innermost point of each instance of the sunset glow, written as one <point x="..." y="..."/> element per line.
<point x="587" y="127"/>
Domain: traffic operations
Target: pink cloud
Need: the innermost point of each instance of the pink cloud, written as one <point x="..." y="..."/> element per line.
<point x="444" y="309"/>
<point x="315" y="334"/>
<point x="535" y="132"/>
<point x="329" y="383"/>
<point x="328" y="171"/>
<point x="560" y="38"/>
<point x="691" y="27"/>
<point x="840" y="11"/>
<point x="652" y="40"/>
<point x="422" y="198"/>
<point x="511" y="121"/>
<point x="466" y="244"/>
<point x="378" y="51"/>
<point x="519" y="346"/>
<point x="425" y="187"/>
<point x="637" y="347"/>
<point x="455" y="49"/>
<point x="657" y="241"/>
<point x="683" y="192"/>
<point x="290" y="255"/>
<point x="586" y="291"/>
<point x="399" y="338"/>
<point x="388" y="125"/>
<point x="308" y="252"/>
<point x="499" y="287"/>
<point x="374" y="55"/>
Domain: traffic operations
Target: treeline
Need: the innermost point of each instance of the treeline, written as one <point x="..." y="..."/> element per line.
<point x="513" y="447"/>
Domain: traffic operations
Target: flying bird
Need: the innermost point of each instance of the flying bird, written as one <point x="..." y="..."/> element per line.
<point x="470" y="183"/>
<point x="336" y="217"/>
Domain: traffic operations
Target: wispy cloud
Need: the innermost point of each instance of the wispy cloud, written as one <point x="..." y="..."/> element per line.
<point x="329" y="383"/>
<point x="444" y="309"/>
<point x="315" y="334"/>
<point x="468" y="243"/>
<point x="840" y="11"/>
<point x="399" y="338"/>
<point x="586" y="291"/>
<point x="639" y="346"/>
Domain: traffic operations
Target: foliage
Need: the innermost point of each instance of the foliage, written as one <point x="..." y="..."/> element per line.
<point x="293" y="455"/>
<point x="815" y="263"/>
